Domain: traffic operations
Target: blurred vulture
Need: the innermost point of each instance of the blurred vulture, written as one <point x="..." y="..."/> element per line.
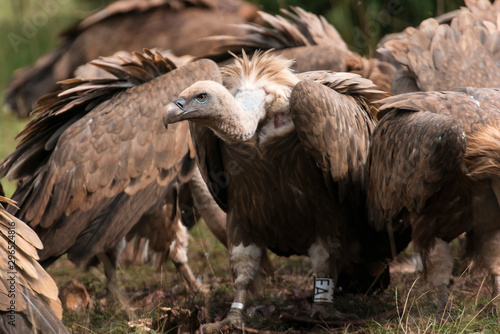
<point x="307" y="38"/>
<point x="433" y="164"/>
<point x="284" y="155"/>
<point x="127" y="25"/>
<point x="464" y="53"/>
<point x="29" y="301"/>
<point x="97" y="160"/>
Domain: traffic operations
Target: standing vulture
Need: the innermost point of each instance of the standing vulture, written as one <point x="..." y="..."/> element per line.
<point x="97" y="160"/>
<point x="127" y="25"/>
<point x="284" y="155"/>
<point x="29" y="301"/>
<point x="433" y="165"/>
<point x="307" y="38"/>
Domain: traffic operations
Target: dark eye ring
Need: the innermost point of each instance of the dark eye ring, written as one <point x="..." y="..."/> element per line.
<point x="203" y="97"/>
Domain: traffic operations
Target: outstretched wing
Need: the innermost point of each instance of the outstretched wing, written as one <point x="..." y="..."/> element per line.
<point x="91" y="164"/>
<point x="24" y="282"/>
<point x="334" y="123"/>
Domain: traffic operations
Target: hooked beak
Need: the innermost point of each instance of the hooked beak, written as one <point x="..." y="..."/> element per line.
<point x="174" y="111"/>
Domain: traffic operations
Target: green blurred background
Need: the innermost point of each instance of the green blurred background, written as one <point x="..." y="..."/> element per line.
<point x="30" y="28"/>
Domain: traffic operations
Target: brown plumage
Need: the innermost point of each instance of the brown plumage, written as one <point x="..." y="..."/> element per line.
<point x="463" y="53"/>
<point x="97" y="159"/>
<point x="310" y="40"/>
<point x="127" y="25"/>
<point x="428" y="150"/>
<point x="162" y="234"/>
<point x="434" y="167"/>
<point x="284" y="156"/>
<point x="29" y="301"/>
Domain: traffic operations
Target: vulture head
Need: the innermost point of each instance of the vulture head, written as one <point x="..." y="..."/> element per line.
<point x="254" y="98"/>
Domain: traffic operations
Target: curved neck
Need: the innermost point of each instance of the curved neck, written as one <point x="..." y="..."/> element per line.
<point x="242" y="115"/>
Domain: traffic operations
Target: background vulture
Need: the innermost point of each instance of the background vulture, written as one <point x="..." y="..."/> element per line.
<point x="436" y="56"/>
<point x="307" y="38"/>
<point x="96" y="161"/>
<point x="284" y="155"/>
<point x="127" y="25"/>
<point x="433" y="163"/>
<point x="29" y="301"/>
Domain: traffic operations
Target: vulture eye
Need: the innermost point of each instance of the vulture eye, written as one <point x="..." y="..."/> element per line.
<point x="203" y="97"/>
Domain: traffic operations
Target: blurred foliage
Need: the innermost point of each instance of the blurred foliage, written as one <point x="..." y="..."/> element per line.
<point x="30" y="28"/>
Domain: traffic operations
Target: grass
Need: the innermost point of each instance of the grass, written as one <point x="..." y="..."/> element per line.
<point x="288" y="292"/>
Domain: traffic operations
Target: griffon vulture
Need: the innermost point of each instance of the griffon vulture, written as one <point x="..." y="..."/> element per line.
<point x="127" y="25"/>
<point x="29" y="301"/>
<point x="464" y="53"/>
<point x="97" y="160"/>
<point x="307" y="38"/>
<point x="284" y="155"/>
<point x="434" y="167"/>
<point x="423" y="166"/>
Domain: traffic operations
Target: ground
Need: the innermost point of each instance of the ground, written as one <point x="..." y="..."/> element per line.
<point x="161" y="304"/>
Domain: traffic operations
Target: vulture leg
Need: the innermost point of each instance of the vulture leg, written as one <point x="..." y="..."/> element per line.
<point x="325" y="267"/>
<point x="245" y="262"/>
<point x="108" y="261"/>
<point x="214" y="217"/>
<point x="487" y="235"/>
<point x="490" y="256"/>
<point x="178" y="255"/>
<point x="438" y="266"/>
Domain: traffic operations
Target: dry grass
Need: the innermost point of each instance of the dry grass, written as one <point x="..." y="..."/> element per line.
<point x="154" y="294"/>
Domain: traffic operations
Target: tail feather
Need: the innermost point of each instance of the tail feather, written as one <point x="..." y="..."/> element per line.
<point x="483" y="152"/>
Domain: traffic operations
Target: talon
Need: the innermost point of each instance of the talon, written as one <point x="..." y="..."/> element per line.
<point x="234" y="317"/>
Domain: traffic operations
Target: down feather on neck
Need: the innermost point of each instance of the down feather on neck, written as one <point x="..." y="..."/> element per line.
<point x="272" y="74"/>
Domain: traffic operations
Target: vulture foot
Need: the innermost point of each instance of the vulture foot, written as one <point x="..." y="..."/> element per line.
<point x="234" y="317"/>
<point x="444" y="310"/>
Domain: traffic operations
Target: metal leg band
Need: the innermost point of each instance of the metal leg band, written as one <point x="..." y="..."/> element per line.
<point x="239" y="306"/>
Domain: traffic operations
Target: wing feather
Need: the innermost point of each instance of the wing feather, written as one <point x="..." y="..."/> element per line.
<point x="113" y="149"/>
<point x="310" y="40"/>
<point x="334" y="125"/>
<point x="34" y="287"/>
<point x="417" y="147"/>
<point x="439" y="57"/>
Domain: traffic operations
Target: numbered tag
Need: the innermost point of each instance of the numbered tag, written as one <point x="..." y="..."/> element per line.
<point x="323" y="290"/>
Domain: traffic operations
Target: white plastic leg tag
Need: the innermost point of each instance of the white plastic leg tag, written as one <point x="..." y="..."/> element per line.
<point x="323" y="290"/>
